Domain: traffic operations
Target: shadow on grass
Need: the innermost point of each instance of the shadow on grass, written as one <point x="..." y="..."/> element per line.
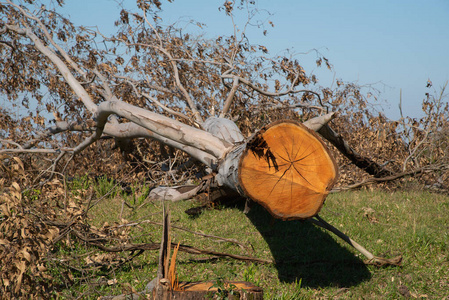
<point x="304" y="252"/>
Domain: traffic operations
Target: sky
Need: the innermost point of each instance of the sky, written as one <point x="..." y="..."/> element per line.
<point x="393" y="46"/>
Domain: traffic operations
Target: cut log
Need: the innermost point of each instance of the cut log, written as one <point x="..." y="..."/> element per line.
<point x="285" y="167"/>
<point x="207" y="290"/>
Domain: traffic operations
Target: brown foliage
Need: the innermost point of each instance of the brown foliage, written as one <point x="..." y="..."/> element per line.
<point x="189" y="78"/>
<point x="24" y="237"/>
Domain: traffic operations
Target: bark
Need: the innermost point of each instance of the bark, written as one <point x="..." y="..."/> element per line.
<point x="132" y="130"/>
<point x="224" y="129"/>
<point x="164" y="126"/>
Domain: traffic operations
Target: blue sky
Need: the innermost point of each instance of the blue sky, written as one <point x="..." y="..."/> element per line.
<point x="393" y="45"/>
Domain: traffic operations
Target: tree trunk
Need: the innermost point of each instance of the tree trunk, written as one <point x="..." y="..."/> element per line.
<point x="207" y="290"/>
<point x="285" y="167"/>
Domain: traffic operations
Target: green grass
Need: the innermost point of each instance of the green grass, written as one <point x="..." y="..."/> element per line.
<point x="310" y="263"/>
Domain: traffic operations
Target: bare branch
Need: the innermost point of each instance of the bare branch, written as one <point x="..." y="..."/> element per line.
<point x="319" y="122"/>
<point x="364" y="163"/>
<point x="270" y="94"/>
<point x="159" y="104"/>
<point x="107" y="93"/>
<point x="59" y="64"/>
<point x="132" y="130"/>
<point x="173" y="63"/>
<point x="11" y="142"/>
<point x="230" y="98"/>
<point x="164" y="126"/>
<point x="189" y="100"/>
<point x="21" y="150"/>
<point x="371" y="259"/>
<point x="60" y="126"/>
<point x="169" y="110"/>
<point x="156" y="246"/>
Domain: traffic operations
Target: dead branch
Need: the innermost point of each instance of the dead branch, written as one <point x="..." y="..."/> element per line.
<point x="61" y="126"/>
<point x="49" y="37"/>
<point x="174" y="193"/>
<point x="270" y="94"/>
<point x="175" y="70"/>
<point x="371" y="259"/>
<point x="155" y="101"/>
<point x="164" y="126"/>
<point x="234" y="241"/>
<point x="230" y="97"/>
<point x="155" y="246"/>
<point x="317" y="123"/>
<point x="44" y="151"/>
<point x="391" y="177"/>
<point x="363" y="163"/>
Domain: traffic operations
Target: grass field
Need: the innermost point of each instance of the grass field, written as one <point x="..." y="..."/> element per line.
<point x="309" y="262"/>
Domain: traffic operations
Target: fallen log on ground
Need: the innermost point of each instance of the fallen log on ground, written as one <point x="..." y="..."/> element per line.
<point x="284" y="166"/>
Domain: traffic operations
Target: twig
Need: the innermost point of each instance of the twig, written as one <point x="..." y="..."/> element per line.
<point x="11" y="142"/>
<point x="270" y="94"/>
<point x="21" y="150"/>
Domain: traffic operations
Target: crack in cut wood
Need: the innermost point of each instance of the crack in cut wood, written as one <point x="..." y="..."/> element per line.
<point x="260" y="148"/>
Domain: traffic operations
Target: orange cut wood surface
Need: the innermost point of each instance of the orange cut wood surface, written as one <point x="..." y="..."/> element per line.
<point x="287" y="169"/>
<point x="207" y="290"/>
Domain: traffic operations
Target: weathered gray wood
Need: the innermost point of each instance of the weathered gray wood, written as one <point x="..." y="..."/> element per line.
<point x="174" y="193"/>
<point x="224" y="129"/>
<point x="164" y="126"/>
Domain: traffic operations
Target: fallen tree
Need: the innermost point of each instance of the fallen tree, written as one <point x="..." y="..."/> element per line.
<point x="246" y="121"/>
<point x="156" y="83"/>
<point x="216" y="142"/>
